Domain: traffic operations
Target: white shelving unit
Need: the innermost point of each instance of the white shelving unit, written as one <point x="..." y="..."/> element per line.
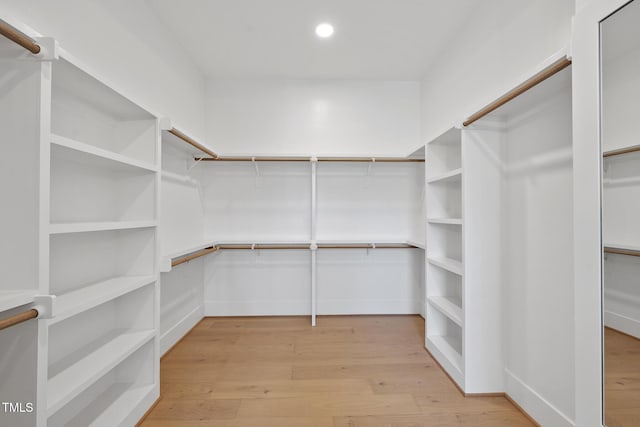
<point x="462" y="259"/>
<point x="444" y="266"/>
<point x="102" y="353"/>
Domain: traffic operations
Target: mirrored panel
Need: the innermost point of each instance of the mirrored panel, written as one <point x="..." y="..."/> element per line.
<point x="620" y="109"/>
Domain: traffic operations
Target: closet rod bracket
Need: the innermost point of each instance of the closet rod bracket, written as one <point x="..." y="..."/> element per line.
<point x="49" y="48"/>
<point x="45" y="304"/>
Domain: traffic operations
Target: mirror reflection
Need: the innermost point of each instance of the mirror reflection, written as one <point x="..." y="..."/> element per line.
<point x="620" y="85"/>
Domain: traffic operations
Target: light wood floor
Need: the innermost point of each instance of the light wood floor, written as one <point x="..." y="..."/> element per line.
<point x="622" y="379"/>
<point x="351" y="371"/>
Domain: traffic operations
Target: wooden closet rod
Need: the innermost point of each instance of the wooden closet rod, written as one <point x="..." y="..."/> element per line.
<point x="621" y="251"/>
<point x="621" y="151"/>
<point x="370" y="159"/>
<point x="212" y="249"/>
<point x="308" y="159"/>
<point x="365" y="246"/>
<point x="193" y="142"/>
<point x="18" y="318"/>
<point x="264" y="246"/>
<point x="19" y="37"/>
<point x="193" y="256"/>
<point x="251" y="159"/>
<point x="543" y="75"/>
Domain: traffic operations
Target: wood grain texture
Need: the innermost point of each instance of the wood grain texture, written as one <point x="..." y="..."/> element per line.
<point x="622" y="379"/>
<point x="18" y="318"/>
<point x="347" y="371"/>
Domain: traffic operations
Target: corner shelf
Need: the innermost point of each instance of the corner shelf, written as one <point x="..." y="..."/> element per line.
<point x="107" y="353"/>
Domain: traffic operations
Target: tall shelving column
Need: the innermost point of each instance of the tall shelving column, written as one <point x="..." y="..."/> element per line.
<point x="102" y="352"/>
<point x="444" y="264"/>
<point x="463" y="195"/>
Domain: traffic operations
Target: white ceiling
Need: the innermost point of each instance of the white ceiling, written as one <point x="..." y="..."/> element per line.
<point x="374" y="39"/>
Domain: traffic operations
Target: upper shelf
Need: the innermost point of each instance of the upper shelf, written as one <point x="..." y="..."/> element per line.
<point x="85" y="109"/>
<point x="454" y="175"/>
<point x="94" y="156"/>
<point x="12" y="299"/>
<point x="88" y="90"/>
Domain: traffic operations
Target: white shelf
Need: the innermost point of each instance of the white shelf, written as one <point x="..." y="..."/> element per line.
<point x="91" y="155"/>
<point x="455" y="174"/>
<point x="82" y="227"/>
<point x="112" y="405"/>
<point x="13" y="299"/>
<point x="107" y="354"/>
<point x="75" y="302"/>
<point x="449" y="306"/>
<point x="447" y="263"/>
<point x="446" y="354"/>
<point x="450" y="221"/>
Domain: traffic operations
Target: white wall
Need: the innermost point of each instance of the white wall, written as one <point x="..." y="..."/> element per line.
<point x="125" y="42"/>
<point x="538" y="262"/>
<point x="503" y="43"/>
<point x="313" y="116"/>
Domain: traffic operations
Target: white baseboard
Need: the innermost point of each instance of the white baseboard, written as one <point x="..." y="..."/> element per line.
<point x="622" y="323"/>
<point x="257" y="308"/>
<point x="348" y="307"/>
<point x="534" y="404"/>
<point x="180" y="329"/>
<point x="298" y="308"/>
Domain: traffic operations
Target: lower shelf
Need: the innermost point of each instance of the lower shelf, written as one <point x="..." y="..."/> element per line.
<point x="110" y="407"/>
<point x="104" y="355"/>
<point x="443" y="349"/>
<point x="449" y="306"/>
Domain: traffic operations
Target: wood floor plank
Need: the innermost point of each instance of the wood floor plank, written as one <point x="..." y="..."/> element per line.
<point x="247" y="422"/>
<point x="173" y="409"/>
<point x="622" y="379"/>
<point x="263" y="389"/>
<point x="329" y="403"/>
<point x="365" y="371"/>
<point x="348" y="371"/>
<point x="491" y="419"/>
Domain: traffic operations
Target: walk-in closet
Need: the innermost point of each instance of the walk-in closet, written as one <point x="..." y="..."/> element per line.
<point x="335" y="213"/>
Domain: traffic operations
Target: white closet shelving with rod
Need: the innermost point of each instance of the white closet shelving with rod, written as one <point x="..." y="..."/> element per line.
<point x="91" y="235"/>
<point x="499" y="207"/>
<point x="468" y="213"/>
<point x="181" y="233"/>
<point x="24" y="96"/>
<point x="271" y="203"/>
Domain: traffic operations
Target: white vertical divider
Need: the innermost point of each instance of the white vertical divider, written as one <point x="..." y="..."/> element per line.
<point x="314" y="246"/>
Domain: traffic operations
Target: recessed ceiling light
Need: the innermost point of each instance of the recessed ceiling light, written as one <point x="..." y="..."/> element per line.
<point x="324" y="30"/>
